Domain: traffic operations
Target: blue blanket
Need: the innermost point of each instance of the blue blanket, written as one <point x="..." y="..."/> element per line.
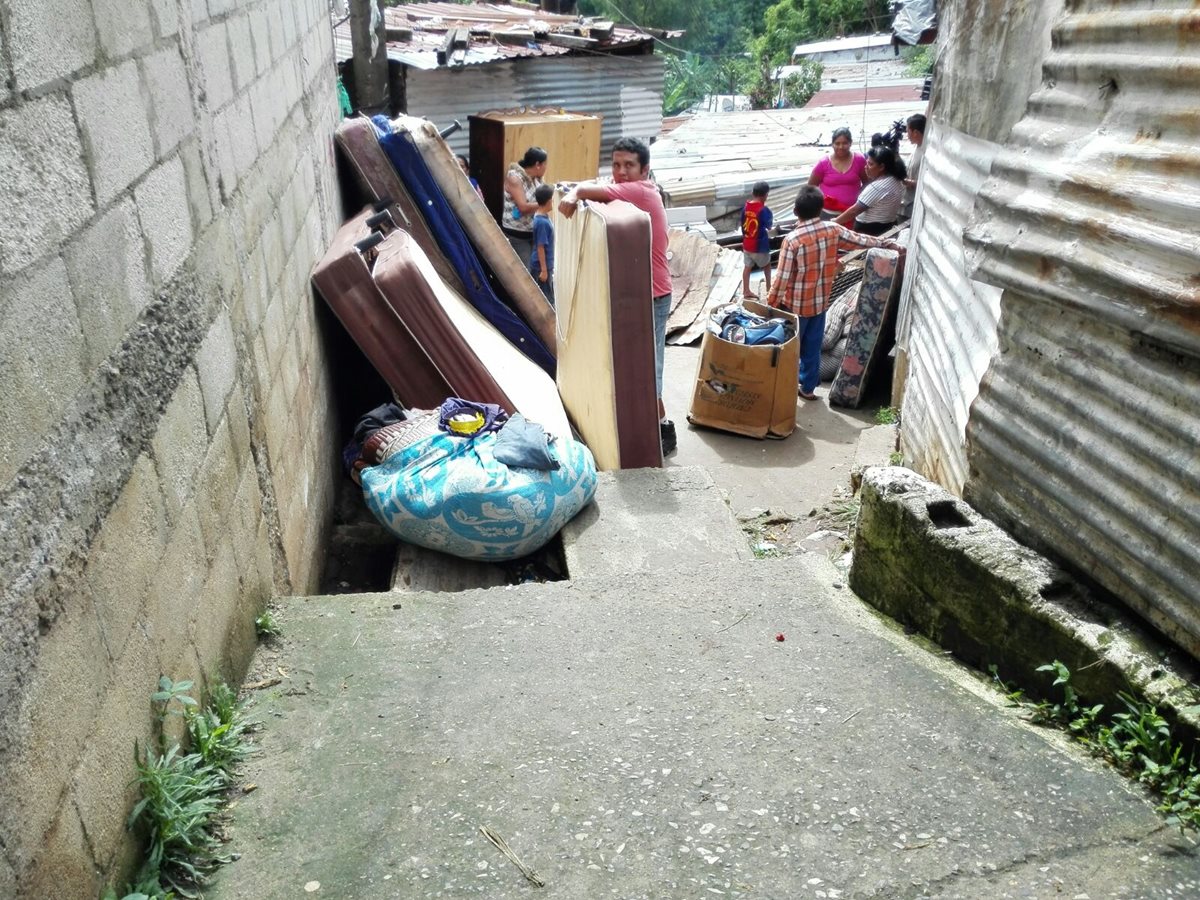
<point x="446" y="229"/>
<point x="449" y="493"/>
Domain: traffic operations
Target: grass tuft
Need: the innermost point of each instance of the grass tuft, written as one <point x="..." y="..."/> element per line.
<point x="1136" y="740"/>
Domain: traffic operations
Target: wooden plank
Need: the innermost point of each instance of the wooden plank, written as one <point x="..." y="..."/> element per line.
<point x="417" y="569"/>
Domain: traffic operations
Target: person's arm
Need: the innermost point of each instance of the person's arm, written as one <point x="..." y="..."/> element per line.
<point x="784" y="272"/>
<point x="847" y="218"/>
<point x="588" y="190"/>
<point x="852" y="239"/>
<point x="516" y="190"/>
<point x="543" y="269"/>
<point x="766" y="220"/>
<point x="817" y="173"/>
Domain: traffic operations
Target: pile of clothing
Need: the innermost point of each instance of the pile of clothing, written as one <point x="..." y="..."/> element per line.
<point x="732" y="322"/>
<point x="468" y="479"/>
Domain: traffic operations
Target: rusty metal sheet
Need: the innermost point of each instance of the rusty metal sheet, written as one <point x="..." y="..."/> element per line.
<point x="1084" y="438"/>
<point x="429" y="23"/>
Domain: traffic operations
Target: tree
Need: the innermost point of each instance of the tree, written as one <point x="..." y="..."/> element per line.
<point x="686" y="81"/>
<point x="791" y="22"/>
<point x="802" y="86"/>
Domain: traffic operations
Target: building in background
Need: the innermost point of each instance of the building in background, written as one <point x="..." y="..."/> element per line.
<point x="450" y="61"/>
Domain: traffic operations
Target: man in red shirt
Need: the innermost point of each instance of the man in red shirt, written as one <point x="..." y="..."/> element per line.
<point x="808" y="260"/>
<point x="631" y="183"/>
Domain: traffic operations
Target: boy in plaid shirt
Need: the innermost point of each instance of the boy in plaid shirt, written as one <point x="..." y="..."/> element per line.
<point x="808" y="262"/>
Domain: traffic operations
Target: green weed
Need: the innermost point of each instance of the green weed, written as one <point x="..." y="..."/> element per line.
<point x="887" y="415"/>
<point x="896" y="458"/>
<point x="265" y="625"/>
<point x="182" y="793"/>
<point x="840" y="515"/>
<point x="1137" y="741"/>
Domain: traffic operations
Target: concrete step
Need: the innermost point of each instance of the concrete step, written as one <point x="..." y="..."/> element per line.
<point x="641" y="519"/>
<point x="648" y="519"/>
<point x="648" y="736"/>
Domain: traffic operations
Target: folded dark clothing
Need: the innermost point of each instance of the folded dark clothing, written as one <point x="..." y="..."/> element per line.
<point x="523" y="445"/>
<point x="376" y="419"/>
<point x="493" y="416"/>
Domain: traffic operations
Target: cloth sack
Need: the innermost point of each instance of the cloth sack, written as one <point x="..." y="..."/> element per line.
<point x="448" y="492"/>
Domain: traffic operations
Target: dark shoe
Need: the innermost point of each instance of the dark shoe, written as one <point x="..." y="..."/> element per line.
<point x="804" y="396"/>
<point x="666" y="434"/>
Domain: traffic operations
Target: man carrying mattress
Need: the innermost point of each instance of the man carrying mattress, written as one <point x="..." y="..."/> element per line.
<point x="631" y="183"/>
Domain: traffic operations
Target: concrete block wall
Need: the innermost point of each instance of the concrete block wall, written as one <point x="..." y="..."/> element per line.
<point x="166" y="460"/>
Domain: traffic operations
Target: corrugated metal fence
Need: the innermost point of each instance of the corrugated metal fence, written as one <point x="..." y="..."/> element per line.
<point x="946" y="334"/>
<point x="625" y="90"/>
<point x="1085" y="438"/>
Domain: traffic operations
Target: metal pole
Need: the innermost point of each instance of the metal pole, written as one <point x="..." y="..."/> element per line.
<point x="370" y="65"/>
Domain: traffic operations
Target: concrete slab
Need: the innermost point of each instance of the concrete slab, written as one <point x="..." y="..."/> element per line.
<point x="794" y="475"/>
<point x="649" y="737"/>
<point x="647" y="519"/>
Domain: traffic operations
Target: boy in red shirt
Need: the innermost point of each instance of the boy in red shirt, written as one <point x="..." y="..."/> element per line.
<point x="756" y="238"/>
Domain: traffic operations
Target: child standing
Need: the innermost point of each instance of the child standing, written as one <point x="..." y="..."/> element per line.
<point x="808" y="263"/>
<point x="756" y="237"/>
<point x="541" y="261"/>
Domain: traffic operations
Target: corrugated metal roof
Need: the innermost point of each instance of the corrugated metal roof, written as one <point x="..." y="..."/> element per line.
<point x="713" y="159"/>
<point x="626" y="92"/>
<point x="946" y="332"/>
<point x="881" y="93"/>
<point x="430" y="22"/>
<point x="841" y="45"/>
<point x="1084" y="439"/>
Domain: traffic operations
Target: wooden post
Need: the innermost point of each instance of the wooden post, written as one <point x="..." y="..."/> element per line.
<point x="370" y="63"/>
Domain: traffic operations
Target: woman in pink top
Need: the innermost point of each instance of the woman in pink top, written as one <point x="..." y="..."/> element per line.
<point x="841" y="175"/>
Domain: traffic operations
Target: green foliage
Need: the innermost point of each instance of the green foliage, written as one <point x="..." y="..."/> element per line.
<point x="896" y="458"/>
<point x="887" y="415"/>
<point x="182" y="794"/>
<point x="919" y="61"/>
<point x="180" y="798"/>
<point x="1137" y="741"/>
<point x="218" y="733"/>
<point x="685" y="82"/>
<point x="792" y="22"/>
<point x="265" y="625"/>
<point x="800" y="87"/>
<point x="713" y="28"/>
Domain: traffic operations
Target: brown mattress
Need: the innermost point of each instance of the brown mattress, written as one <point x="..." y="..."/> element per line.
<point x="477" y="360"/>
<point x="343" y="279"/>
<point x="605" y="334"/>
<point x="375" y="174"/>
<point x="485" y="235"/>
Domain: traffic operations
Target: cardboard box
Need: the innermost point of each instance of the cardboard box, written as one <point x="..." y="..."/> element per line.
<point x="748" y="390"/>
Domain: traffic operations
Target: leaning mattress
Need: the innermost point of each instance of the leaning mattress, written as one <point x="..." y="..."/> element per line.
<point x="476" y="359"/>
<point x="343" y="278"/>
<point x="866" y="325"/>
<point x="605" y="332"/>
<point x="511" y="273"/>
<point x="446" y="229"/>
<point x="359" y="143"/>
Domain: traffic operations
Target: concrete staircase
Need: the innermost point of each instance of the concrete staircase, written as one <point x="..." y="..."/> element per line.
<point x="678" y="720"/>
